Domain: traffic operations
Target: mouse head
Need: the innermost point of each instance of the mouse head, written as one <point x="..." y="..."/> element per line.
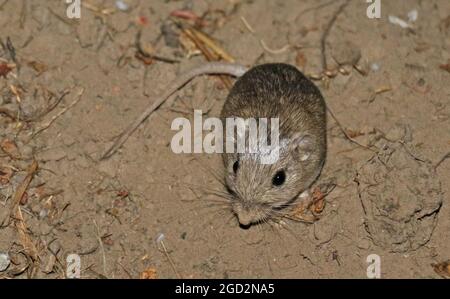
<point x="261" y="190"/>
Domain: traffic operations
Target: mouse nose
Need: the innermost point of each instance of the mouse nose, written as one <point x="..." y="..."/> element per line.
<point x="244" y="219"/>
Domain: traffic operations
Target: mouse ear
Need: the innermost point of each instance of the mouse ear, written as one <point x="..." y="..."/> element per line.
<point x="302" y="145"/>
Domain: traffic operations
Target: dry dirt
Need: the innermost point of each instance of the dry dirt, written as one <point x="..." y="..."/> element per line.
<point x="76" y="84"/>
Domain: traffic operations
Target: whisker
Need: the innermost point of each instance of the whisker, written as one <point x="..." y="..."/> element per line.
<point x="220" y="197"/>
<point x="215" y="174"/>
<point x="200" y="211"/>
<point x="221" y="224"/>
<point x="288" y="228"/>
<point x="202" y="187"/>
<point x="219" y="193"/>
<point x="211" y="211"/>
<point x="231" y="217"/>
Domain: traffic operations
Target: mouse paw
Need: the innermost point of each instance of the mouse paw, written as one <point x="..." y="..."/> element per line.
<point x="311" y="204"/>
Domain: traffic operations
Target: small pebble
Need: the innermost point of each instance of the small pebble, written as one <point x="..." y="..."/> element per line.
<point x="412" y="15"/>
<point x="43" y="213"/>
<point x="159" y="238"/>
<point x="170" y="36"/>
<point x="4" y="261"/>
<point x="121" y="5"/>
<point x="375" y="67"/>
<point x="397" y="21"/>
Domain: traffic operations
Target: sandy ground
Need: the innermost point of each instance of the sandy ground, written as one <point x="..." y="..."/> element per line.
<point x="76" y="84"/>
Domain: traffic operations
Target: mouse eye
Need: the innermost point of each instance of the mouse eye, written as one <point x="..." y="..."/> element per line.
<point x="279" y="178"/>
<point x="235" y="166"/>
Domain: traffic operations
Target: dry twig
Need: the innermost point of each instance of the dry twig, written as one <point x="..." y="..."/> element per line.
<point x="49" y="123"/>
<point x="16" y="214"/>
<point x="327" y="31"/>
<point x="346" y="133"/>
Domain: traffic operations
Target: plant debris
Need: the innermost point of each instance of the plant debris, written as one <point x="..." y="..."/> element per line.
<point x="443" y="269"/>
<point x="5" y="69"/>
<point x="149" y="273"/>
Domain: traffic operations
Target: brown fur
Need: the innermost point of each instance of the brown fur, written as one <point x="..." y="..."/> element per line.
<point x="276" y="91"/>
